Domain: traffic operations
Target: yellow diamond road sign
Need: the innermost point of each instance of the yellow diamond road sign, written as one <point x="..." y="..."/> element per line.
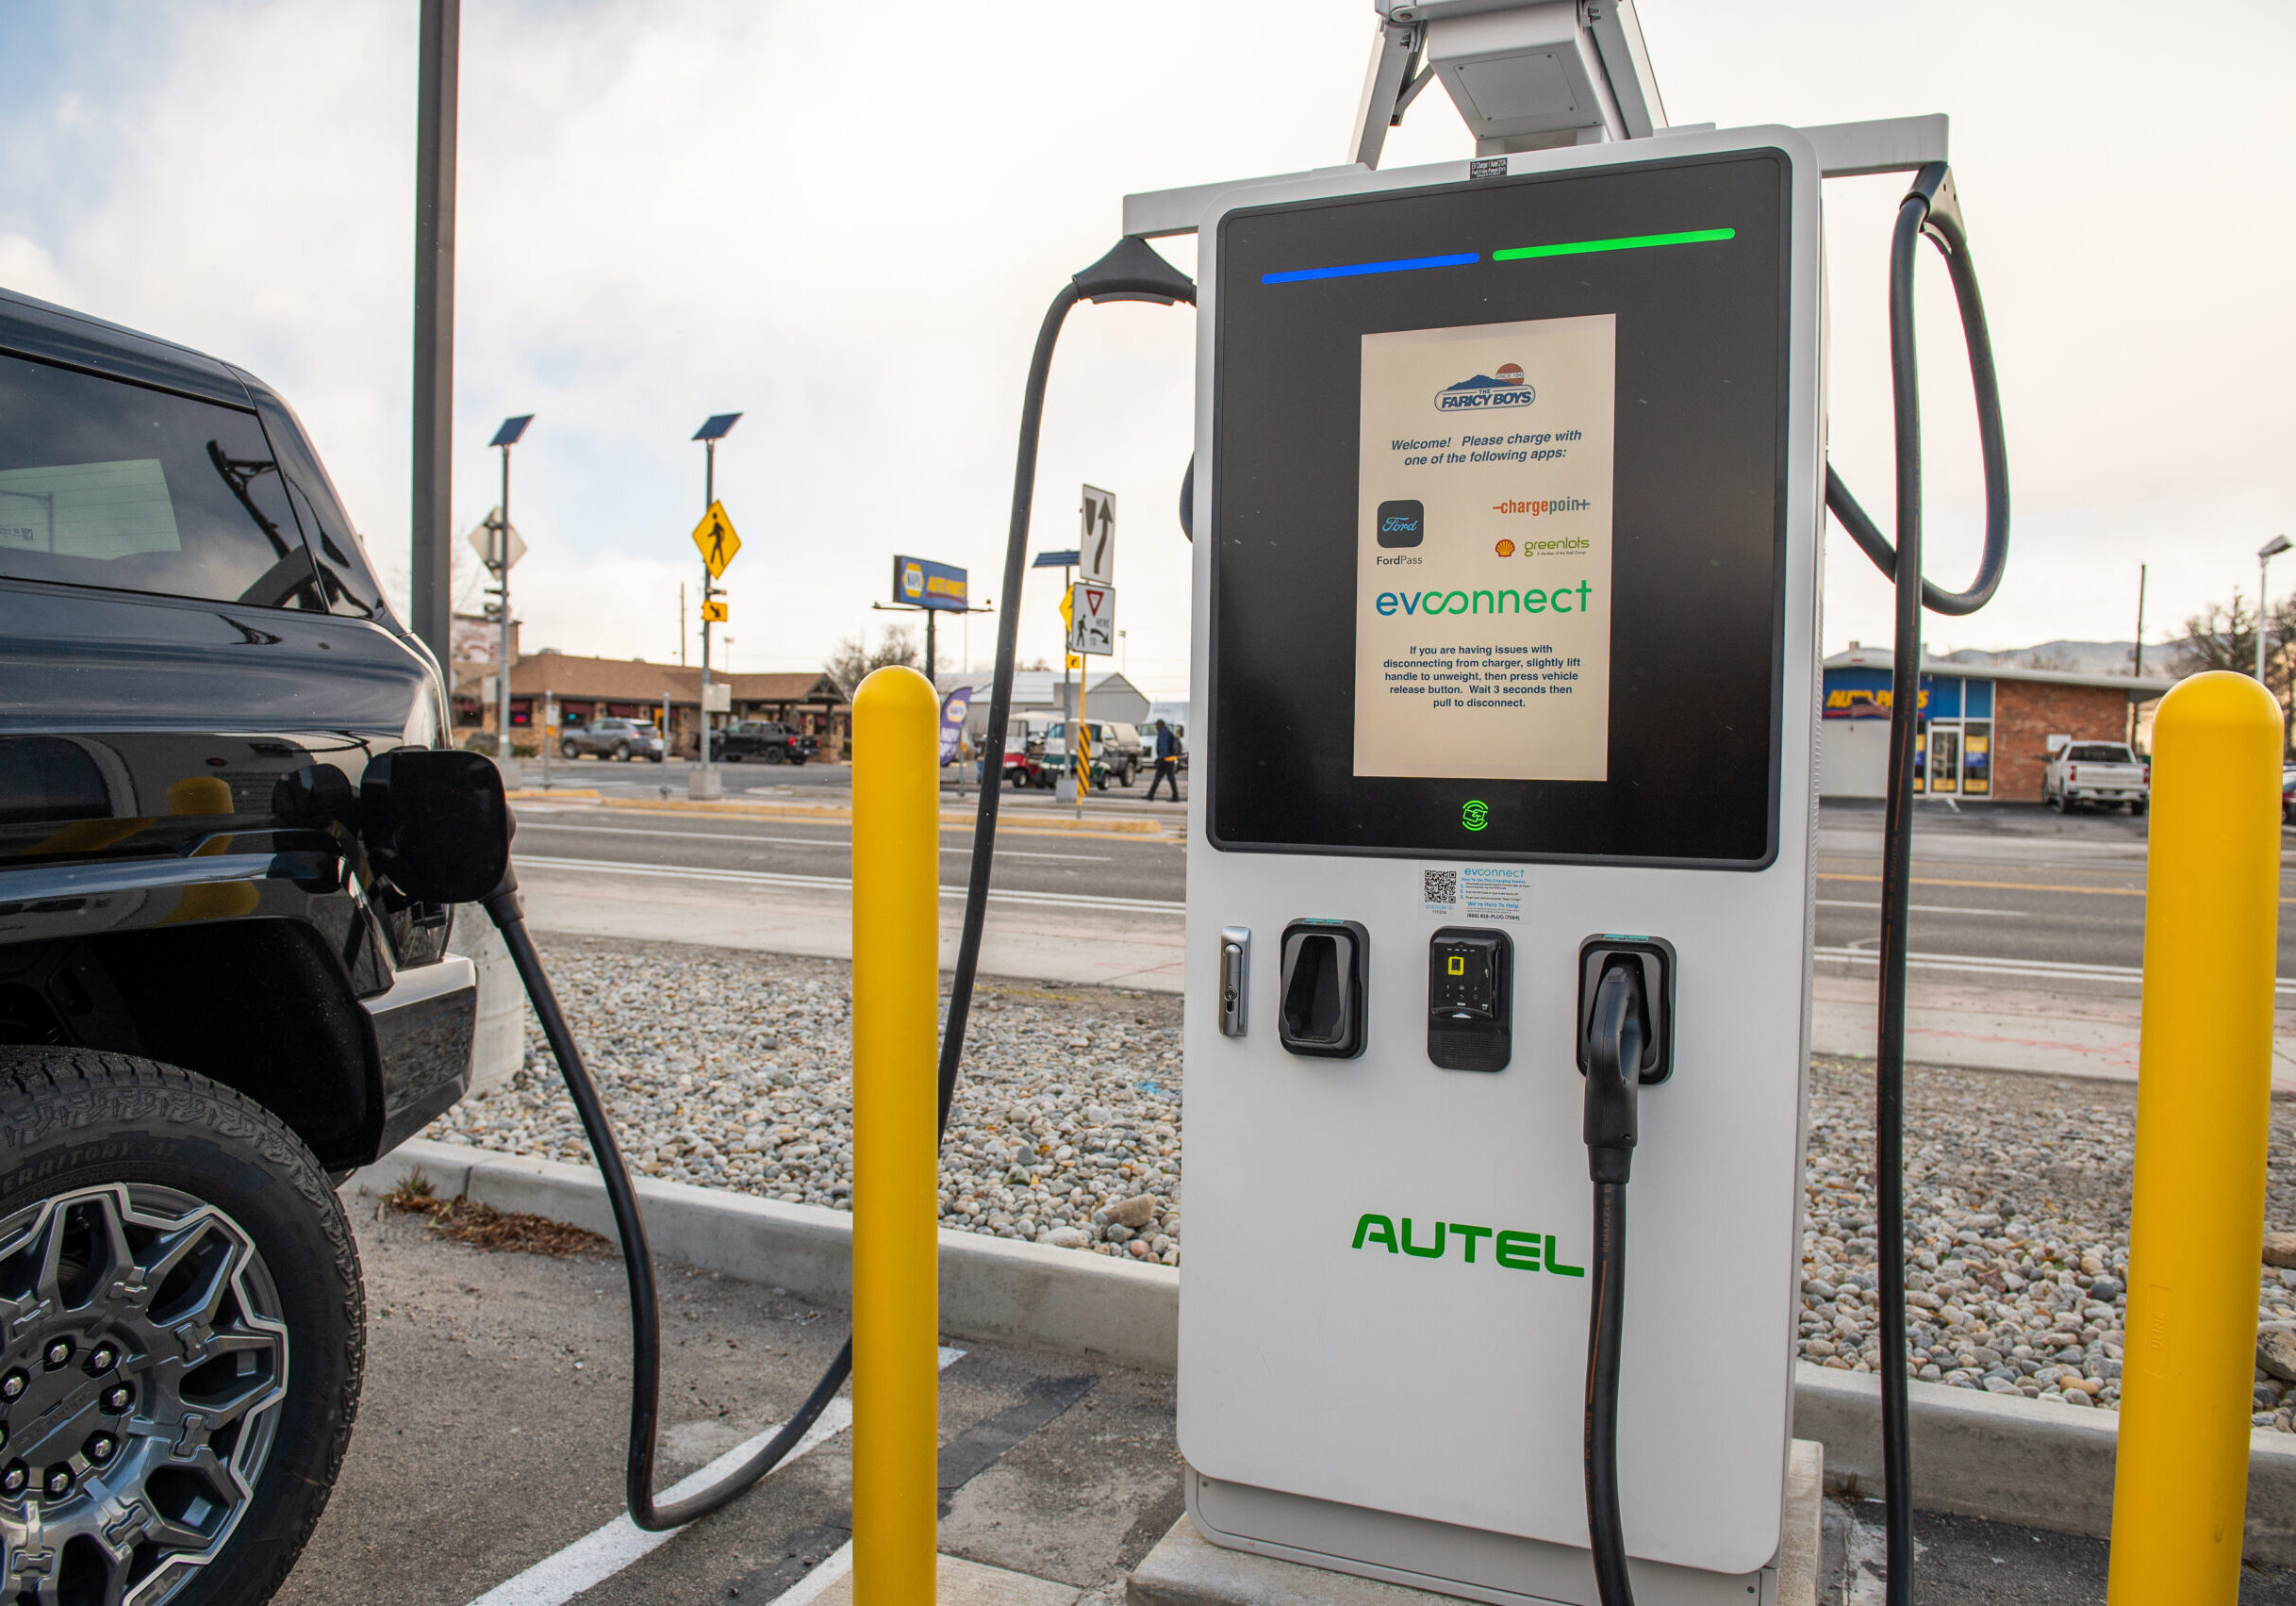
<point x="716" y="538"/>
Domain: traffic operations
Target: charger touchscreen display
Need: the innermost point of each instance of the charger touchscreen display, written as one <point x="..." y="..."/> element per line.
<point x="1499" y="512"/>
<point x="1482" y="628"/>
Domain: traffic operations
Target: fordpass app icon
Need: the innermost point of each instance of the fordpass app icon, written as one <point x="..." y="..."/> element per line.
<point x="1504" y="389"/>
<point x="1401" y="523"/>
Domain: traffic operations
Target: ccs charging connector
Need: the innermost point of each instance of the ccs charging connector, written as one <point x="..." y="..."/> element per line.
<point x="1625" y="1039"/>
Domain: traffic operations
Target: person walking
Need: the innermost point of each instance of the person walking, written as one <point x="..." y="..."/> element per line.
<point x="1168" y="762"/>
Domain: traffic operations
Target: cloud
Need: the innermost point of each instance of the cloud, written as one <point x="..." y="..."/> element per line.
<point x="846" y="226"/>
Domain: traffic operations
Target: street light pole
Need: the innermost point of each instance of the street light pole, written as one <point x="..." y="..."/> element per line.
<point x="2265" y="555"/>
<point x="504" y="438"/>
<point x="714" y="429"/>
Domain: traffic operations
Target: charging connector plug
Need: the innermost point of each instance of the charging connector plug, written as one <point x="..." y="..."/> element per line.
<point x="1614" y="1073"/>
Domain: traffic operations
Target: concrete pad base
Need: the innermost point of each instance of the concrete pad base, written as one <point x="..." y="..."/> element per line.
<point x="1187" y="1569"/>
<point x="969" y="1583"/>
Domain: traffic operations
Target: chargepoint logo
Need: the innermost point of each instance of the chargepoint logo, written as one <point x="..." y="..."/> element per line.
<point x="1504" y="389"/>
<point x="1516" y="1251"/>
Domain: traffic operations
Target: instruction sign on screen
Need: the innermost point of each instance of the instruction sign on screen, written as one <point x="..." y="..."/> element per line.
<point x="1483" y="551"/>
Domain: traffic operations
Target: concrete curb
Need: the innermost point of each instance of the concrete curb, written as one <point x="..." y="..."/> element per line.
<point x="991" y="1289"/>
<point x="2016" y="1460"/>
<point x="1974" y="1455"/>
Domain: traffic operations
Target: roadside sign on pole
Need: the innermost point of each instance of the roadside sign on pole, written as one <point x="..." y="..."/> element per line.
<point x="713" y="612"/>
<point x="485" y="540"/>
<point x="718" y="697"/>
<point x="1092" y="618"/>
<point x="1096" y="551"/>
<point x="717" y="540"/>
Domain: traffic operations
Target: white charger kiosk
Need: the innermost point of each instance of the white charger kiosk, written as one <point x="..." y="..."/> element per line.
<point x="1508" y="486"/>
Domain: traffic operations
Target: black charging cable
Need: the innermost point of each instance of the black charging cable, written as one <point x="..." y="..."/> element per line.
<point x="1613" y="1078"/>
<point x="1131" y="271"/>
<point x="1931" y="210"/>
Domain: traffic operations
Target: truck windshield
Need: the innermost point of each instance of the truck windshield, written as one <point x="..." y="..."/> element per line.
<point x="2099" y="752"/>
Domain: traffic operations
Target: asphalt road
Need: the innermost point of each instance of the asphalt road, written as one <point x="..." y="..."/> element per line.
<point x="1082" y="864"/>
<point x="2010" y="883"/>
<point x="2025" y="894"/>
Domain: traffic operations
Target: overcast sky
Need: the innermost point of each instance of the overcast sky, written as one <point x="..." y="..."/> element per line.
<point x="845" y="222"/>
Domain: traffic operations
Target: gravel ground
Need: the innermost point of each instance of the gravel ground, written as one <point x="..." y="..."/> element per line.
<point x="2017" y="1188"/>
<point x="1064" y="1131"/>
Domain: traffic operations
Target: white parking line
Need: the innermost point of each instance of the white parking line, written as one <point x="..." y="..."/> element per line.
<point x="2045" y="970"/>
<point x="841" y="883"/>
<point x="784" y="842"/>
<point x="1924" y="908"/>
<point x="604" y="1551"/>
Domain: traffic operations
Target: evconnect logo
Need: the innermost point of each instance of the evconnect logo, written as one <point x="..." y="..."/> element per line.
<point x="1504" y="389"/>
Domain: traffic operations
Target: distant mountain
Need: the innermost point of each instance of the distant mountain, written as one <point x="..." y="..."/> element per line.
<point x="2077" y="657"/>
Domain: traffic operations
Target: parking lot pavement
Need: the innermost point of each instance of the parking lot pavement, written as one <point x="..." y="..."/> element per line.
<point x="1961" y="1561"/>
<point x="490" y="1439"/>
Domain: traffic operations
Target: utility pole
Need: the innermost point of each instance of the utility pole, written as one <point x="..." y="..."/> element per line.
<point x="2139" y="672"/>
<point x="2137" y="669"/>
<point x="503" y="557"/>
<point x="430" y="533"/>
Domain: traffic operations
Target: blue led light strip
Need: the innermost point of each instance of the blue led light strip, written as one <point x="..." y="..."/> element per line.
<point x="1360" y="270"/>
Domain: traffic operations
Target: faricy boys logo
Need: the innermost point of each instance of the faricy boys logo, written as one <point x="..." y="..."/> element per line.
<point x="1504" y="389"/>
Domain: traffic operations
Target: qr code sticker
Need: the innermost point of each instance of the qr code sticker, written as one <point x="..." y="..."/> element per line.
<point x="1439" y="886"/>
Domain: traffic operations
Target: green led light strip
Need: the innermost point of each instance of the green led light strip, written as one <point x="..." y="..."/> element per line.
<point x="1625" y="242"/>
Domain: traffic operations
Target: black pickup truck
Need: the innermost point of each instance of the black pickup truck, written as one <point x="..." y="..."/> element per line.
<point x="762" y="741"/>
<point x="212" y="1007"/>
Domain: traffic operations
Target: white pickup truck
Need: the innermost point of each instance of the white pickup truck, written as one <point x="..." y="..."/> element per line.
<point x="2101" y="772"/>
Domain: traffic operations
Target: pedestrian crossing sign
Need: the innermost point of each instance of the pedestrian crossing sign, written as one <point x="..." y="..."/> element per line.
<point x="717" y="540"/>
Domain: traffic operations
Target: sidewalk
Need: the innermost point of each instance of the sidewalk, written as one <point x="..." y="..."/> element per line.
<point x="1975" y="1027"/>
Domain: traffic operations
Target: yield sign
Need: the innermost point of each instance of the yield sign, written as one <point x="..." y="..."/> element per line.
<point x="714" y="536"/>
<point x="1092" y="618"/>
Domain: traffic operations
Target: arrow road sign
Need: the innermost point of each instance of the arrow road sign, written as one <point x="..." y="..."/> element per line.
<point x="714" y="613"/>
<point x="1092" y="618"/>
<point x="1098" y="548"/>
<point x="485" y="540"/>
<point x="717" y="540"/>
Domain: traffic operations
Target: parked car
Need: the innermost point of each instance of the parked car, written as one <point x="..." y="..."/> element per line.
<point x="2101" y="772"/>
<point x="2288" y="794"/>
<point x="214" y="1006"/>
<point x="764" y="742"/>
<point x="1115" y="749"/>
<point x="624" y="739"/>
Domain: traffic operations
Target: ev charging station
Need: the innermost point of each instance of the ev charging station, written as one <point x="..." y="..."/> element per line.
<point x="1507" y="508"/>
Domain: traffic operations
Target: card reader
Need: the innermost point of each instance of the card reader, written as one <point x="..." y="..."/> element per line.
<point x="1470" y="1014"/>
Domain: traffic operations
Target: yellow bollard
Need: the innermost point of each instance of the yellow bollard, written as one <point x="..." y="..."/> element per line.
<point x="896" y="872"/>
<point x="2203" y="1086"/>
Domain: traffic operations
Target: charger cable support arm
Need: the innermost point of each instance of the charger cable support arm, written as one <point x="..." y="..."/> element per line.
<point x="1930" y="209"/>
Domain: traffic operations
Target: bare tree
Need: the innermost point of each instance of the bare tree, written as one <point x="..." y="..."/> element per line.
<point x="2223" y="636"/>
<point x="855" y="660"/>
<point x="2040" y="660"/>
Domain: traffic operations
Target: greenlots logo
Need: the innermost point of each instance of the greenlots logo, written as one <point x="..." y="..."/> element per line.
<point x="1475" y="814"/>
<point x="1518" y="1251"/>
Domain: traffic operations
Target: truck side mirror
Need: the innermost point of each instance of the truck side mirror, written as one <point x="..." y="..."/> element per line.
<point x="436" y="822"/>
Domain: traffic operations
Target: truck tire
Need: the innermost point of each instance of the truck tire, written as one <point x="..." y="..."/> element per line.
<point x="185" y="1223"/>
<point x="776" y="755"/>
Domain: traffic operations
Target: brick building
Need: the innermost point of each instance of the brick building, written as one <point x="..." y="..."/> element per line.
<point x="581" y="689"/>
<point x="1984" y="732"/>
